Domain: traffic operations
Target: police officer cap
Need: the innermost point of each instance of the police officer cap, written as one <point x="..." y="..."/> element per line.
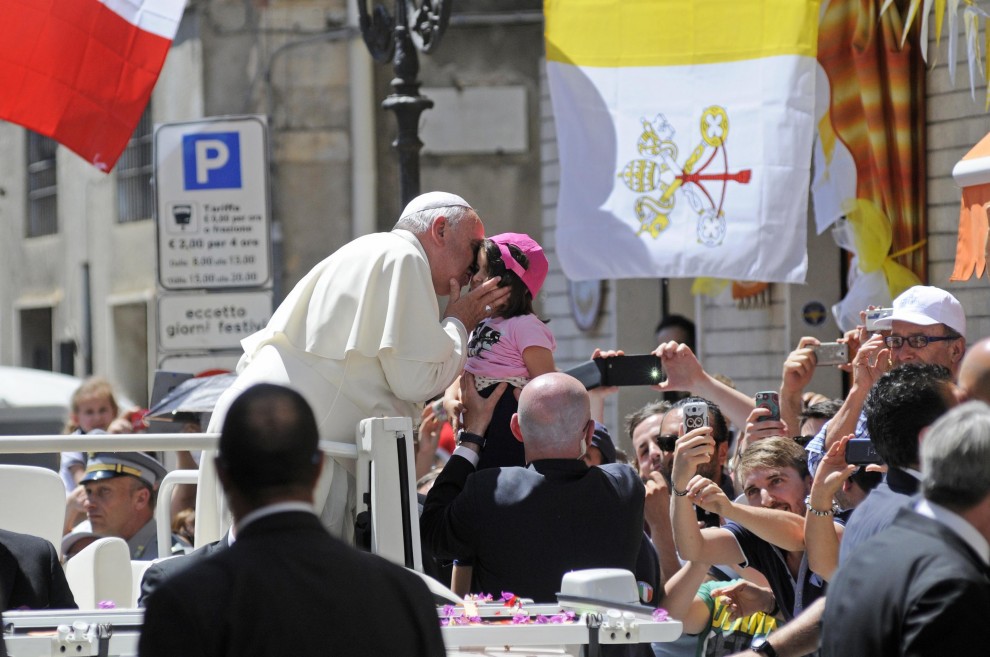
<point x="108" y="465"/>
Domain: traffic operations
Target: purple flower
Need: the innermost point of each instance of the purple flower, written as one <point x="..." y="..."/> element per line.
<point x="106" y="604"/>
<point x="660" y="614"/>
<point x="520" y="619"/>
<point x="448" y="611"/>
<point x="542" y="620"/>
<point x="563" y="617"/>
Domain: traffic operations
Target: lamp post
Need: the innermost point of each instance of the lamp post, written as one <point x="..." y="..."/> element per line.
<point x="414" y="26"/>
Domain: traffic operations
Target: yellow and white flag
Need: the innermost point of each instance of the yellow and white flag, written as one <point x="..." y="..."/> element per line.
<point x="684" y="130"/>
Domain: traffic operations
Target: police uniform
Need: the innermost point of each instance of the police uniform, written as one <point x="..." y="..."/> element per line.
<point x="143" y="545"/>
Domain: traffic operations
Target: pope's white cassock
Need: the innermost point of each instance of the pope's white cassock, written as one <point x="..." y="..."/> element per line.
<point x="358" y="337"/>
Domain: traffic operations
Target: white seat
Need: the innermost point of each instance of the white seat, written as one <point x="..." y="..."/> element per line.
<point x="32" y="501"/>
<point x="101" y="572"/>
<point x="163" y="515"/>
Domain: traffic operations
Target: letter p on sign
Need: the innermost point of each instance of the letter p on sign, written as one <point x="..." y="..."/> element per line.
<point x="211" y="160"/>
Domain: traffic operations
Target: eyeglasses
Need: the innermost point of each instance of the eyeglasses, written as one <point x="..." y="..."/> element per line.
<point x="916" y="341"/>
<point x="666" y="442"/>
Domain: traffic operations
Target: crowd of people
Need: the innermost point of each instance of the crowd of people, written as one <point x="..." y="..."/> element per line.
<point x="852" y="526"/>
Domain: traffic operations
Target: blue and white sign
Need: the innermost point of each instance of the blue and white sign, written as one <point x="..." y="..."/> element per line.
<point x="212" y="204"/>
<point x="212" y="160"/>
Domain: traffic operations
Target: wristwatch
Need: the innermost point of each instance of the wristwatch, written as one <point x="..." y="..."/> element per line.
<point x="468" y="437"/>
<point x="766" y="649"/>
<point x="821" y="514"/>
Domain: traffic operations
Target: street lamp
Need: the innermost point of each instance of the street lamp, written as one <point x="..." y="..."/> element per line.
<point x="415" y="26"/>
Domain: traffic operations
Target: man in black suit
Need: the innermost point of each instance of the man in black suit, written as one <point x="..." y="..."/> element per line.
<point x="31" y="576"/>
<point x="162" y="569"/>
<point x="285" y="586"/>
<point x="920" y="587"/>
<point x="523" y="528"/>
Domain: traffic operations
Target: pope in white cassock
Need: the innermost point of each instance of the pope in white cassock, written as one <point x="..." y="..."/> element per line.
<point x="361" y="334"/>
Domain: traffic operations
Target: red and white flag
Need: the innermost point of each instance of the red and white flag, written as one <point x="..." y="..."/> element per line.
<point x="82" y="71"/>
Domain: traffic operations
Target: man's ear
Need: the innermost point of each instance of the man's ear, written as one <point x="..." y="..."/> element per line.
<point x="589" y="433"/>
<point x="723" y="454"/>
<point x="514" y="427"/>
<point x="222" y="475"/>
<point x="438" y="230"/>
<point x="957" y="350"/>
<point x="142" y="497"/>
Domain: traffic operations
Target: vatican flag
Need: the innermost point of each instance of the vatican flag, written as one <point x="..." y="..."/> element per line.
<point x="684" y="130"/>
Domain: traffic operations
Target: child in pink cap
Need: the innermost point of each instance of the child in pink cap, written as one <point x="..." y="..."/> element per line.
<point x="512" y="344"/>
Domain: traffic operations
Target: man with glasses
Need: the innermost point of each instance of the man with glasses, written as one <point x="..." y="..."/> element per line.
<point x="928" y="326"/>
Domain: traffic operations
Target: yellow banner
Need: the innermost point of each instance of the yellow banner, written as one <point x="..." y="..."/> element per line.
<point x="624" y="33"/>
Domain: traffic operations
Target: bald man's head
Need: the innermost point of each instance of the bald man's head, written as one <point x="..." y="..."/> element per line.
<point x="974" y="373"/>
<point x="554" y="417"/>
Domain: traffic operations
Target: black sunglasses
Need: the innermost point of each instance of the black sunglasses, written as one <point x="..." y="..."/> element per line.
<point x="666" y="442"/>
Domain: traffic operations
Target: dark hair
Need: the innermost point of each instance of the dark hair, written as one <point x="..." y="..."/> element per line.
<point x="681" y="322"/>
<point x="640" y="415"/>
<point x="715" y="418"/>
<point x="900" y="404"/>
<point x="520" y="300"/>
<point x="825" y="410"/>
<point x="269" y="442"/>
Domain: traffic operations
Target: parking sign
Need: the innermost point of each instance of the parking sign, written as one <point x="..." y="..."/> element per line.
<point x="211" y="160"/>
<point x="212" y="203"/>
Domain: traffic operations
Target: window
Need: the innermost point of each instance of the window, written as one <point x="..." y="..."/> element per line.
<point x="134" y="170"/>
<point x="36" y="338"/>
<point x="42" y="185"/>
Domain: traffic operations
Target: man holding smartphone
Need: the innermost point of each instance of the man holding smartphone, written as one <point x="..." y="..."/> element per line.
<point x="767" y="533"/>
<point x="928" y="325"/>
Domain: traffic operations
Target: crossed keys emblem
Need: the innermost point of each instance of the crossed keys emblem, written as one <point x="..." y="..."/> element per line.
<point x="659" y="172"/>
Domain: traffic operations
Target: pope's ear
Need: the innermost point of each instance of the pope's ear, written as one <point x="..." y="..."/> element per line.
<point x="438" y="230"/>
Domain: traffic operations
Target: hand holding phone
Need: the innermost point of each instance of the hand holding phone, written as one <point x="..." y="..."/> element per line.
<point x="860" y="451"/>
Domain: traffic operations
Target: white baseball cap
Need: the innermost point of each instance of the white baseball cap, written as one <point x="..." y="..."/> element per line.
<point x="925" y="305"/>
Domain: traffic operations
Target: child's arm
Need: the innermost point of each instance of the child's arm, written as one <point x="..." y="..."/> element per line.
<point x="77" y="470"/>
<point x="539" y="360"/>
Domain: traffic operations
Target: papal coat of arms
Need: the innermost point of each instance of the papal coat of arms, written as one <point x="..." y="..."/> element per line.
<point x="661" y="180"/>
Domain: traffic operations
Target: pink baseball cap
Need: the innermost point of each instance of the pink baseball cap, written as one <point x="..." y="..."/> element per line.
<point x="533" y="276"/>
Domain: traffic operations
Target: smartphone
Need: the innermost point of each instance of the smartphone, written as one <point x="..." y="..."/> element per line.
<point x="860" y="451"/>
<point x="769" y="399"/>
<point x="588" y="373"/>
<point x="831" y="353"/>
<point x="643" y="370"/>
<point x="875" y="315"/>
<point x="695" y="415"/>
